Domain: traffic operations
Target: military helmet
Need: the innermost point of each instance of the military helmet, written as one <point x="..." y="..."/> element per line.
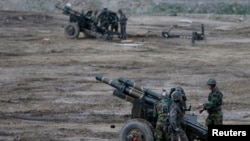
<point x="176" y="96"/>
<point x="179" y="88"/>
<point x="211" y="81"/>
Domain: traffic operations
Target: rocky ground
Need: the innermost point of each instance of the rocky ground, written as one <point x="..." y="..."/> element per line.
<point x="48" y="86"/>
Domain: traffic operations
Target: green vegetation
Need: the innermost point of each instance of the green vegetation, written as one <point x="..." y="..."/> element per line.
<point x="216" y="8"/>
<point x="151" y="7"/>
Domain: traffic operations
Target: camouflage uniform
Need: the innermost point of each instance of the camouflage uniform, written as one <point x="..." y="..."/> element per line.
<point x="184" y="98"/>
<point x="161" y="110"/>
<point x="94" y="22"/>
<point x="94" y="17"/>
<point x="104" y="18"/>
<point x="114" y="21"/>
<point x="213" y="107"/>
<point x="123" y="23"/>
<point x="176" y="118"/>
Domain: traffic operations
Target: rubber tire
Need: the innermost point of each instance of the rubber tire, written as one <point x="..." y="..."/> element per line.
<point x="140" y="124"/>
<point x="75" y="27"/>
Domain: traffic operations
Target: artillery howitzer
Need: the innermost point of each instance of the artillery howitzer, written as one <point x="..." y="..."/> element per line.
<point x="142" y="124"/>
<point x="195" y="36"/>
<point x="80" y="22"/>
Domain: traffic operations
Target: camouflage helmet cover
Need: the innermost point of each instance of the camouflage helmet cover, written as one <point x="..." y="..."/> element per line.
<point x="179" y="88"/>
<point x="177" y="96"/>
<point x="211" y="81"/>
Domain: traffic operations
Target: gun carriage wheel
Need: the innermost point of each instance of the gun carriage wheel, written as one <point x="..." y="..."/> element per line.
<point x="137" y="130"/>
<point x="71" y="30"/>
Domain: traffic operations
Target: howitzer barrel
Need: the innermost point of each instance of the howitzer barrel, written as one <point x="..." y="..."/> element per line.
<point x="126" y="90"/>
<point x="144" y="90"/>
<point x="67" y="10"/>
<point x="123" y="96"/>
<point x="130" y="99"/>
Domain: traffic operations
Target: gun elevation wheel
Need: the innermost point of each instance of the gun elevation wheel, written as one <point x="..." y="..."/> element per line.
<point x="71" y="30"/>
<point x="136" y="130"/>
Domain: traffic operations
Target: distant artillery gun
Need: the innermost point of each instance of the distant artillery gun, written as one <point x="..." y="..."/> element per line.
<point x="195" y="36"/>
<point x="79" y="22"/>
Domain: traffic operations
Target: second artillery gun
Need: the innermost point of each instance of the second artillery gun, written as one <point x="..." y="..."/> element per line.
<point x="80" y="22"/>
<point x="142" y="124"/>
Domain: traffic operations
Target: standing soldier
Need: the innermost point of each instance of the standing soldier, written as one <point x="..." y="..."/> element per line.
<point x="114" y="21"/>
<point x="176" y="118"/>
<point x="161" y="110"/>
<point x="104" y="18"/>
<point x="94" y="22"/>
<point x="184" y="98"/>
<point x="213" y="105"/>
<point x="123" y="23"/>
<point x="94" y="17"/>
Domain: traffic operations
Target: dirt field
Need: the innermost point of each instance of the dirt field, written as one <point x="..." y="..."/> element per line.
<point x="48" y="86"/>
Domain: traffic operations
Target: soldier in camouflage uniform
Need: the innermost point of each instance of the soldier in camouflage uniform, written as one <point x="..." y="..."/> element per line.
<point x="176" y="118"/>
<point x="184" y="98"/>
<point x="103" y="17"/>
<point x="213" y="105"/>
<point x="123" y="23"/>
<point x="114" y="22"/>
<point x="94" y="22"/>
<point x="94" y="17"/>
<point x="161" y="110"/>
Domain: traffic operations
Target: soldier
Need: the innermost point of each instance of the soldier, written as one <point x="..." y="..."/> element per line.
<point x="184" y="98"/>
<point x="94" y="22"/>
<point x="213" y="105"/>
<point x="94" y="17"/>
<point x="123" y="23"/>
<point x="82" y="13"/>
<point x="161" y="110"/>
<point x="114" y="21"/>
<point x="176" y="118"/>
<point x="104" y="18"/>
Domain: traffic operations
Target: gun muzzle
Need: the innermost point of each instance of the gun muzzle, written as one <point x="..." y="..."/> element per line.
<point x="140" y="88"/>
<point x="126" y="90"/>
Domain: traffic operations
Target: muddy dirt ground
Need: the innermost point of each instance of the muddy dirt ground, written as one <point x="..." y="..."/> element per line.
<point x="48" y="87"/>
